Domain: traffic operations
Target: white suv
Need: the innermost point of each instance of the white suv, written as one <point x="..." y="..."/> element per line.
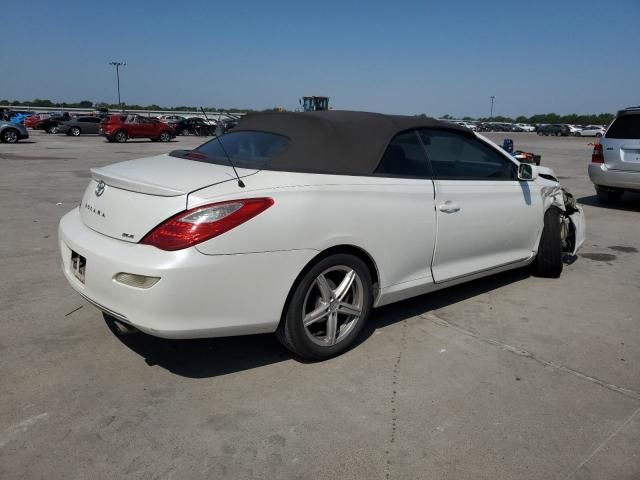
<point x="615" y="163"/>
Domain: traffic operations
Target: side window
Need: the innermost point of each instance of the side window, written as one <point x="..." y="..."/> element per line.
<point x="459" y="157"/>
<point x="131" y="119"/>
<point x="404" y="157"/>
<point x="94" y="120"/>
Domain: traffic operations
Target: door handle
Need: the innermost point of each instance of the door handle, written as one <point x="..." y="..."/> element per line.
<point x="449" y="207"/>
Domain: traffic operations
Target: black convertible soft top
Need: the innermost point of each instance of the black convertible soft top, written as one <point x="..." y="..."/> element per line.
<point x="335" y="142"/>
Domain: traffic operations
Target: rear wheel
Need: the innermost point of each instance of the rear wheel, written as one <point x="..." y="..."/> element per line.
<point x="548" y="262"/>
<point x="52" y="129"/>
<point x="598" y="135"/>
<point x="328" y="307"/>
<point x="74" y="131"/>
<point x="608" y="195"/>
<point x="165" y="137"/>
<point x="9" y="135"/>
<point x="120" y="136"/>
<point x="558" y="134"/>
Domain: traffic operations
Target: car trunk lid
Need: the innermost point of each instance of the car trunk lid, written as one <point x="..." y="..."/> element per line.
<point x="126" y="200"/>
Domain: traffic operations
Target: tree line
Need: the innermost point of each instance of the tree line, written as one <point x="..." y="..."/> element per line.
<point x="573" y="119"/>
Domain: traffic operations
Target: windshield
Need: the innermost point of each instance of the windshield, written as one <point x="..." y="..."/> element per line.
<point x="247" y="149"/>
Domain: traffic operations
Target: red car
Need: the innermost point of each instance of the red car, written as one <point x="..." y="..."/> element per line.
<point x="33" y="120"/>
<point x="119" y="128"/>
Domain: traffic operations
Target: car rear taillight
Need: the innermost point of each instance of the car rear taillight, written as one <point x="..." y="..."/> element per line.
<point x="204" y="223"/>
<point x="596" y="156"/>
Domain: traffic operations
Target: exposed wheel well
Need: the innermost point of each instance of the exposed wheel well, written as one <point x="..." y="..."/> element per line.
<point x="349" y="249"/>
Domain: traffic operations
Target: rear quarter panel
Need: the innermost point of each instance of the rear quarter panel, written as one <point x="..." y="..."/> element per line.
<point x="393" y="220"/>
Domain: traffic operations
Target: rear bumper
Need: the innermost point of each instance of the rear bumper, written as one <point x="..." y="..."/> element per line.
<point x="601" y="175"/>
<point x="197" y="296"/>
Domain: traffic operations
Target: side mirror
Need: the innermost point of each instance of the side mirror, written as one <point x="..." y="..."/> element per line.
<point x="527" y="172"/>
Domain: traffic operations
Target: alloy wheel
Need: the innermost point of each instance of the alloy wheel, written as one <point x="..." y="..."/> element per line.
<point x="333" y="305"/>
<point x="10" y="136"/>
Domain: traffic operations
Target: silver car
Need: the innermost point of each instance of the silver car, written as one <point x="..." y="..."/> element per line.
<point x="11" y="133"/>
<point x="615" y="163"/>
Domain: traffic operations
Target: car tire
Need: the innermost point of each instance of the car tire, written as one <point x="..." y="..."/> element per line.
<point x="120" y="136"/>
<point x="75" y="131"/>
<point x="10" y="135"/>
<point x="548" y="262"/>
<point x="165" y="137"/>
<point x="598" y="135"/>
<point x="558" y="134"/>
<point x="52" y="129"/>
<point x="608" y="195"/>
<point x="318" y="340"/>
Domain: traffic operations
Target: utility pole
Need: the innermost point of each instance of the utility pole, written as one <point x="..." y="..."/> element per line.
<point x="118" y="65"/>
<point x="493" y="97"/>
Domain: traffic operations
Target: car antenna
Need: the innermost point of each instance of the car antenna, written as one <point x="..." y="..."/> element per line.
<point x="240" y="182"/>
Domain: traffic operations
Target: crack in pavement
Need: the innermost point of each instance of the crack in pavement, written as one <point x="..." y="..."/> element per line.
<point x="394" y="401"/>
<point x="599" y="447"/>
<point x="523" y="353"/>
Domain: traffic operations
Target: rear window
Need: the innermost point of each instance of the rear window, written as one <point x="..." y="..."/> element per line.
<point x="625" y="127"/>
<point x="247" y="149"/>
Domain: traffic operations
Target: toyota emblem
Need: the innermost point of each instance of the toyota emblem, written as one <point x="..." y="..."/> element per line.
<point x="100" y="188"/>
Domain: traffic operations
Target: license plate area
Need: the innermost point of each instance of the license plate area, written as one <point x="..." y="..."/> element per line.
<point x="78" y="265"/>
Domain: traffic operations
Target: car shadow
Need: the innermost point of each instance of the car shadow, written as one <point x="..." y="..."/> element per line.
<point x="212" y="357"/>
<point x="629" y="202"/>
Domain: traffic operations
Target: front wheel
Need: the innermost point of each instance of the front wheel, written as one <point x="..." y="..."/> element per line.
<point x="120" y="136"/>
<point x="548" y="262"/>
<point x="328" y="307"/>
<point x="74" y="131"/>
<point x="165" y="137"/>
<point x="9" y="135"/>
<point x="52" y="129"/>
<point x="598" y="135"/>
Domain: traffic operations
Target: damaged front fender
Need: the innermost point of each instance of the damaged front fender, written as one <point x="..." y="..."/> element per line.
<point x="573" y="230"/>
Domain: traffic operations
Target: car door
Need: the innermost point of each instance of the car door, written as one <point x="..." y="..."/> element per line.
<point x="147" y="128"/>
<point x="132" y="122"/>
<point x="91" y="125"/>
<point x="408" y="184"/>
<point x="486" y="218"/>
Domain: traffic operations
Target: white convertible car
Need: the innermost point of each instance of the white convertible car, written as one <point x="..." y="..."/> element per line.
<point x="301" y="223"/>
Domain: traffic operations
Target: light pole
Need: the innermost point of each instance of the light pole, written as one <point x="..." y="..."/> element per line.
<point x="493" y="97"/>
<point x="118" y="65"/>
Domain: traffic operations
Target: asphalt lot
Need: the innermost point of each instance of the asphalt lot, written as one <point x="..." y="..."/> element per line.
<point x="510" y="377"/>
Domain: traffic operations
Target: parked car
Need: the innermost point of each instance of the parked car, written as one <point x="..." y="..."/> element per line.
<point x="555" y="129"/>
<point x="11" y="132"/>
<point x="592" y="131"/>
<point x="615" y="162"/>
<point x="51" y="123"/>
<point x="170" y="118"/>
<point x="18" y="118"/>
<point x="31" y="121"/>
<point x="313" y="232"/>
<point x="80" y="125"/>
<point x="574" y="130"/>
<point x="193" y="126"/>
<point x="526" y="127"/>
<point x="120" y="128"/>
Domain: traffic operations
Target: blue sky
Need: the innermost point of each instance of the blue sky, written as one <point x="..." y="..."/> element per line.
<point x="396" y="57"/>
